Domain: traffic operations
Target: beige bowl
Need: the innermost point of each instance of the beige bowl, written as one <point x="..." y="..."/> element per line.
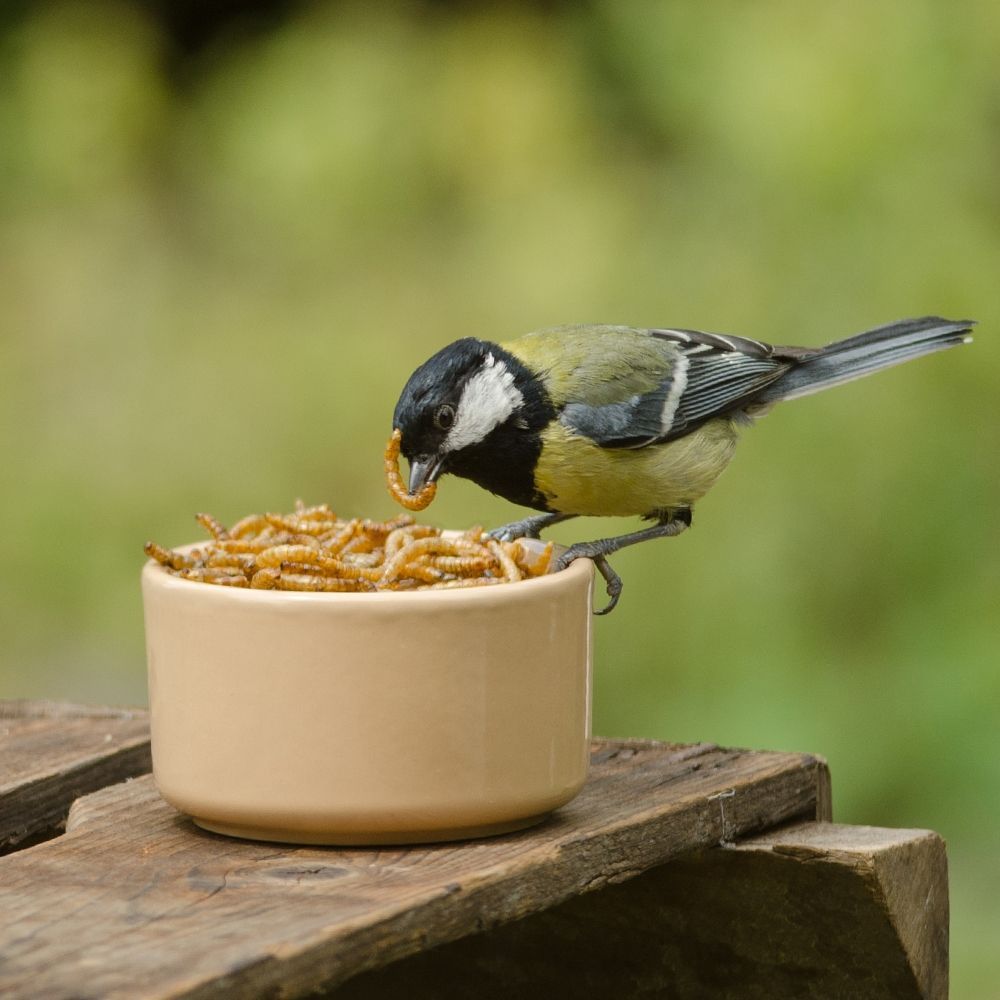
<point x="369" y="718"/>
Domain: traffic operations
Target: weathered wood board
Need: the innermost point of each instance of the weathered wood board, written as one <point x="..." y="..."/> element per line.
<point x="813" y="911"/>
<point x="135" y="901"/>
<point x="51" y="753"/>
<point x="652" y="883"/>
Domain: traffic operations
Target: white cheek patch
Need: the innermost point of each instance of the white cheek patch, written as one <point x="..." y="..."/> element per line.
<point x="488" y="399"/>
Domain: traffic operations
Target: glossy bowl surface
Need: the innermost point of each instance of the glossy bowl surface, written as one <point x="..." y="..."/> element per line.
<point x="369" y="718"/>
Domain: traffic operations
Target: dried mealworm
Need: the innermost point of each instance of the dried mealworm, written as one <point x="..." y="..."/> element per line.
<point x="167" y="557"/>
<point x="319" y="512"/>
<point x="394" y="481"/>
<point x="243" y="561"/>
<point x="368" y="559"/>
<point x="385" y="527"/>
<point x="422" y="573"/>
<point x="333" y="540"/>
<point x="250" y="525"/>
<point x="212" y="526"/>
<point x="275" y="555"/>
<point x="225" y="575"/>
<point x="350" y="571"/>
<point x="399" y="537"/>
<point x="301" y="567"/>
<point x="265" y="579"/>
<point x="246" y="545"/>
<point x="461" y="565"/>
<point x="510" y="571"/>
<point x="301" y="581"/>
<point x="434" y="544"/>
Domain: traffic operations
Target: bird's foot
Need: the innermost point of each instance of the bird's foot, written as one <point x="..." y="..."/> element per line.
<point x="670" y="523"/>
<point x="591" y="550"/>
<point x="613" y="584"/>
<point x="527" y="527"/>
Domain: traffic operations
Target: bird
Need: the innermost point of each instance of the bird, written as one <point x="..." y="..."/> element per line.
<point x="619" y="421"/>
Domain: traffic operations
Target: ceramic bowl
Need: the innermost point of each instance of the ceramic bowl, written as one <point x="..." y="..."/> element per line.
<point x="369" y="718"/>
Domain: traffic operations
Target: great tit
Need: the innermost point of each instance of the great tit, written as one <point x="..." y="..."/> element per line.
<point x="618" y="421"/>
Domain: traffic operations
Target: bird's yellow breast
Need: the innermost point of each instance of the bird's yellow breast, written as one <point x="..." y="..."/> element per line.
<point x="579" y="477"/>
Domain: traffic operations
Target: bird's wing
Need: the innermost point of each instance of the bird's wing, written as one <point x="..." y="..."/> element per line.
<point x="697" y="376"/>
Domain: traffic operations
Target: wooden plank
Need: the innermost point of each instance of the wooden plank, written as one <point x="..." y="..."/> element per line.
<point x="134" y="901"/>
<point x="814" y="911"/>
<point x="898" y="884"/>
<point x="53" y="752"/>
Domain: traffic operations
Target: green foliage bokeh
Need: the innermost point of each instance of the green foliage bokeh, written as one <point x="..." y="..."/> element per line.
<point x="212" y="290"/>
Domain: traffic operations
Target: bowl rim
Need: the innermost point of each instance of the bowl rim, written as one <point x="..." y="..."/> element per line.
<point x="158" y="574"/>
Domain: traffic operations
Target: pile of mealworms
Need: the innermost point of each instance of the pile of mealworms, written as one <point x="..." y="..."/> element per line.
<point x="311" y="549"/>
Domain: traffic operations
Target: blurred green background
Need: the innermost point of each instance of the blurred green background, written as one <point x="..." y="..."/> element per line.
<point x="226" y="240"/>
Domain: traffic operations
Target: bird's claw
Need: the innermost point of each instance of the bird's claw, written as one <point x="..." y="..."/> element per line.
<point x="528" y="527"/>
<point x="612" y="580"/>
<point x="531" y="527"/>
<point x="507" y="533"/>
<point x="613" y="584"/>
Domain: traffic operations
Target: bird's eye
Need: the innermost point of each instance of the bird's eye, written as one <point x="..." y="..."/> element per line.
<point x="444" y="417"/>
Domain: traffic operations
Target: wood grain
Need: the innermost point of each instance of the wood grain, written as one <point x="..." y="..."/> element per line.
<point x="810" y="912"/>
<point x="53" y="752"/>
<point x="135" y="901"/>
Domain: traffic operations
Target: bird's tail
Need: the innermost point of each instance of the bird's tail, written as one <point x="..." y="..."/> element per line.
<point x="869" y="352"/>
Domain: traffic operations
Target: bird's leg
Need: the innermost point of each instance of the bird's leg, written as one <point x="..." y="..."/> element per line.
<point x="531" y="527"/>
<point x="669" y="523"/>
<point x="528" y="527"/>
<point x="613" y="583"/>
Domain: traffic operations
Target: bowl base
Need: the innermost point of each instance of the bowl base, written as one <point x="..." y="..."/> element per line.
<point x="355" y="838"/>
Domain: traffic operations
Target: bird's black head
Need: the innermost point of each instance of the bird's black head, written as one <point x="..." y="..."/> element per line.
<point x="475" y="410"/>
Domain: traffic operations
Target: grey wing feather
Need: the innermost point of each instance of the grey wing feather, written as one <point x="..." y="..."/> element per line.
<point x="706" y="376"/>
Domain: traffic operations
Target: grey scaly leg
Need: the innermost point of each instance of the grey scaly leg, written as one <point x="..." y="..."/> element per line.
<point x="532" y="527"/>
<point x="528" y="527"/>
<point x="669" y="523"/>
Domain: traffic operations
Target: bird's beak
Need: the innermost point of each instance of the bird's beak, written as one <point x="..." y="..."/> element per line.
<point x="424" y="469"/>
